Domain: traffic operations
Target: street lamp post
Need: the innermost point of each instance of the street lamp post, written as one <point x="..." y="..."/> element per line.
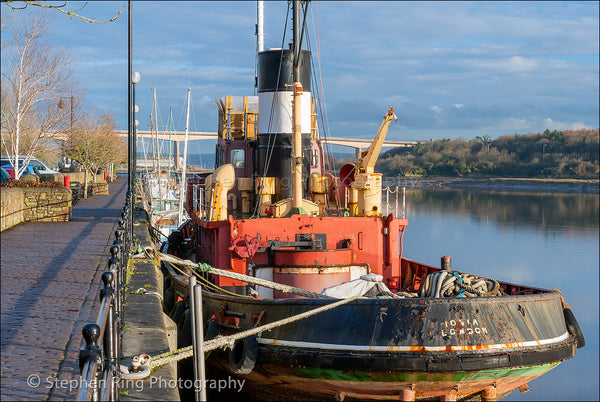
<point x="129" y="109"/>
<point x="135" y="78"/>
<point x="62" y="105"/>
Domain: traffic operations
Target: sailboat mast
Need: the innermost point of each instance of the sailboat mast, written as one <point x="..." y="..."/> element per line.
<point x="297" y="116"/>
<point x="185" y="146"/>
<point x="158" y="170"/>
<point x="170" y="145"/>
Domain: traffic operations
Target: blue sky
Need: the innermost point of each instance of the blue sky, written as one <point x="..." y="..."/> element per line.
<point x="449" y="69"/>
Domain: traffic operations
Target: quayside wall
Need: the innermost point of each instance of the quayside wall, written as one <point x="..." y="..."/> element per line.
<point x="44" y="204"/>
<point x="35" y="204"/>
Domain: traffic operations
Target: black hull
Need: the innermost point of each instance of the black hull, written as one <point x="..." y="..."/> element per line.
<point x="371" y="347"/>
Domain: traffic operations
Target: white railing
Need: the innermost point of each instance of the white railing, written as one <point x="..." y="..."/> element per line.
<point x="399" y="197"/>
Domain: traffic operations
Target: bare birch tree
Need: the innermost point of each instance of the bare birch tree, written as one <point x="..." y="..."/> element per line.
<point x="34" y="78"/>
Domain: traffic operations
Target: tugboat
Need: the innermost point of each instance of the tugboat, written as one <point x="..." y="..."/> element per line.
<point x="270" y="210"/>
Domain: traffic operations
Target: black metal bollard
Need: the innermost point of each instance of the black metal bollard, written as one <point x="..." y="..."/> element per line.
<point x="113" y="264"/>
<point x="123" y="225"/>
<point x="110" y="340"/>
<point x="90" y="362"/>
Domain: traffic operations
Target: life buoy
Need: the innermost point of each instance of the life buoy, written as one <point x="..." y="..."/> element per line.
<point x="242" y="357"/>
<point x="573" y="327"/>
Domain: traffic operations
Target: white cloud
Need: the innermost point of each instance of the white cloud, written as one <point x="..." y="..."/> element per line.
<point x="459" y="105"/>
<point x="510" y="124"/>
<point x="557" y="125"/>
<point x="519" y="64"/>
<point x="436" y="109"/>
<point x="514" y="64"/>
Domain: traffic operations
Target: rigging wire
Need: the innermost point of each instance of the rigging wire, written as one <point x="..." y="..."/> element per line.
<point x="195" y="129"/>
<point x="271" y="145"/>
<point x="321" y="92"/>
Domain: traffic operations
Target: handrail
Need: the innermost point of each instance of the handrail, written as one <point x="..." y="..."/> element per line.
<point x="99" y="358"/>
<point x="388" y="207"/>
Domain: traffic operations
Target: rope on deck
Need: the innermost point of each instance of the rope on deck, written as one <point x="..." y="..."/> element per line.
<point x="452" y="284"/>
<point x="244" y="278"/>
<point x="229" y="341"/>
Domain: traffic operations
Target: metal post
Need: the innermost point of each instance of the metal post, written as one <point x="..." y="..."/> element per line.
<point x="197" y="339"/>
<point x="387" y="200"/>
<point x="195" y="197"/>
<point x="192" y="284"/>
<point x="90" y="362"/>
<point x="113" y="265"/>
<point x="403" y="202"/>
<point x="396" y="204"/>
<point x="134" y="163"/>
<point x="129" y="134"/>
<point x="109" y="341"/>
<point x="200" y="341"/>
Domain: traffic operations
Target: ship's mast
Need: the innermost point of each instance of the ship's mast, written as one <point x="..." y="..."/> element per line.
<point x="297" y="116"/>
<point x="260" y="25"/>
<point x="183" y="171"/>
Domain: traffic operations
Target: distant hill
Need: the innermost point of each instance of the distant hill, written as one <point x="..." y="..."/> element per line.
<point x="548" y="154"/>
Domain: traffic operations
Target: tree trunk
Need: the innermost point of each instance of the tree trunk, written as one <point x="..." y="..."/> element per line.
<point x="85" y="185"/>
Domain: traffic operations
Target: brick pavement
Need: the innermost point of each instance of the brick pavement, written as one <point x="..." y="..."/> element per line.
<point x="50" y="282"/>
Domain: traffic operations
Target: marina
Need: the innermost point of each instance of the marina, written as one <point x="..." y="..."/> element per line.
<point x="273" y="270"/>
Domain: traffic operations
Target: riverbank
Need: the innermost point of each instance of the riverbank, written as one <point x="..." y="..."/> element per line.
<point x="583" y="186"/>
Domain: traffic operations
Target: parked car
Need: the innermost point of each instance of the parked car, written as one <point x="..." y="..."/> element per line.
<point x="30" y="169"/>
<point x="40" y="166"/>
<point x="5" y="175"/>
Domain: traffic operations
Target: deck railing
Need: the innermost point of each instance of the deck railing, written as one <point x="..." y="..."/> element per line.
<point x="399" y="197"/>
<point x="99" y="358"/>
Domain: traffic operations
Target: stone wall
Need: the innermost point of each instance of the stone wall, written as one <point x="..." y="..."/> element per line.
<point x="35" y="204"/>
<point x="12" y="207"/>
<point x="100" y="188"/>
<point x="74" y="176"/>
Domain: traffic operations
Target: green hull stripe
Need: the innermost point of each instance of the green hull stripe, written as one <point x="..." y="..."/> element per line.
<point x="407" y="376"/>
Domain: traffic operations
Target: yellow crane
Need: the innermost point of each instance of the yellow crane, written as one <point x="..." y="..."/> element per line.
<point x="365" y="191"/>
<point x="366" y="164"/>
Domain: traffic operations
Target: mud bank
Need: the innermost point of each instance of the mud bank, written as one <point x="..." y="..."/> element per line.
<point x="498" y="184"/>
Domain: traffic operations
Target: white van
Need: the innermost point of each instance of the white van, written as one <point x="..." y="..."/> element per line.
<point x="40" y="166"/>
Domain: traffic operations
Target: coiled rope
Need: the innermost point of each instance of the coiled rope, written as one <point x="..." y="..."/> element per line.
<point x="452" y="284"/>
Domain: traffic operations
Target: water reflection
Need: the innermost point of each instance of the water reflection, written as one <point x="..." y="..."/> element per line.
<point x="545" y="212"/>
<point x="543" y="240"/>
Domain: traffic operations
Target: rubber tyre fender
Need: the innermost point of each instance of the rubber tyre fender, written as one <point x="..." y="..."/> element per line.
<point x="573" y="327"/>
<point x="180" y="308"/>
<point x="212" y="330"/>
<point x="184" y="330"/>
<point x="242" y="357"/>
<point x="168" y="301"/>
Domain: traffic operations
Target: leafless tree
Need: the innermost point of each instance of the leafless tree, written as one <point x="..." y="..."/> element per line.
<point x="94" y="144"/>
<point x="63" y="8"/>
<point x="34" y="78"/>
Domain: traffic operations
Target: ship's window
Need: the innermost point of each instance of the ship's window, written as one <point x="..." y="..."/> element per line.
<point x="237" y="158"/>
<point x="314" y="158"/>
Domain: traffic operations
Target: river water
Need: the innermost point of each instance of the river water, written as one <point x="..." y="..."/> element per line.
<point x="546" y="240"/>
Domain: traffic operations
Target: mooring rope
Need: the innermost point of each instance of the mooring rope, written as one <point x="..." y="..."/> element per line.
<point x="202" y="267"/>
<point x="229" y="341"/>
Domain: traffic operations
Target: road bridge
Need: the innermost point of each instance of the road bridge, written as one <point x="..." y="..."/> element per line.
<point x="201" y="135"/>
